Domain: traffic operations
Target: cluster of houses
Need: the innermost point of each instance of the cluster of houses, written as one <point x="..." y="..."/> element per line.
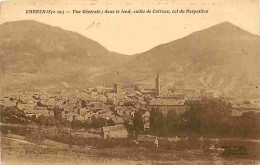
<point x="115" y="105"/>
<point x="239" y="107"/>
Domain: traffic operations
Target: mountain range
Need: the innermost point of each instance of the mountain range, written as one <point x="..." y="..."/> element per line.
<point x="223" y="58"/>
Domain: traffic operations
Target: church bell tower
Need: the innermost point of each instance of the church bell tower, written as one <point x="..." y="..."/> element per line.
<point x="157" y="84"/>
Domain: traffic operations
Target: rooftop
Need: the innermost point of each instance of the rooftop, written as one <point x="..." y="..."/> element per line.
<point x="166" y="101"/>
<point x="114" y="128"/>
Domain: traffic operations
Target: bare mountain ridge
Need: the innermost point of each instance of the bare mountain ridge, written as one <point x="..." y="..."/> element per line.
<point x="43" y="41"/>
<point x="37" y="54"/>
<point x="223" y="57"/>
<point x="217" y="45"/>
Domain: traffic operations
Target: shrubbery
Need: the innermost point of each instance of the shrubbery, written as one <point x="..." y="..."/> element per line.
<point x="35" y="136"/>
<point x="206" y="117"/>
<point x="13" y="115"/>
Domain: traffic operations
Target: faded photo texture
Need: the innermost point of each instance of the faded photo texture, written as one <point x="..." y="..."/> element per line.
<point x="130" y="82"/>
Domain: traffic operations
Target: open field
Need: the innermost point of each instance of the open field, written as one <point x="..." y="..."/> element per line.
<point x="15" y="150"/>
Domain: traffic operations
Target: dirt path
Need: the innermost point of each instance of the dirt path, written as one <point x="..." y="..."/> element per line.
<point x="23" y="141"/>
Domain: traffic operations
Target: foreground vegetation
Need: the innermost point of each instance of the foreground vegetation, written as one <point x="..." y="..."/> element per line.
<point x="13" y="151"/>
<point x="206" y="117"/>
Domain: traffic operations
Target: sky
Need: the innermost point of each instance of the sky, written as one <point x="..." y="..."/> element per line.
<point x="135" y="33"/>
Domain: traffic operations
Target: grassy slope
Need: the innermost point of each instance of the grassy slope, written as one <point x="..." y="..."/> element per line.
<point x="14" y="152"/>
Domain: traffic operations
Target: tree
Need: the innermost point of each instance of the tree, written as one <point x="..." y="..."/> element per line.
<point x="248" y="125"/>
<point x="98" y="122"/>
<point x="138" y="123"/>
<point x="157" y="123"/>
<point x="207" y="116"/>
<point x="46" y="120"/>
<point x="83" y="103"/>
<point x="77" y="124"/>
<point x="58" y="113"/>
<point x="173" y="122"/>
<point x="13" y="115"/>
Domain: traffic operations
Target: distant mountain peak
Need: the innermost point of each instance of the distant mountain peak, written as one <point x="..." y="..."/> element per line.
<point x="225" y="23"/>
<point x="25" y="22"/>
<point x="225" y="27"/>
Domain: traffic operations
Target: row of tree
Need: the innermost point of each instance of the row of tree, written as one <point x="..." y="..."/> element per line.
<point x="206" y="117"/>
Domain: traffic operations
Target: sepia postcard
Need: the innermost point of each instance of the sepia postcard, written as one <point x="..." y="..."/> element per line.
<point x="129" y="82"/>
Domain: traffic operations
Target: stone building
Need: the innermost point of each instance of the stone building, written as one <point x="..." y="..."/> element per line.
<point x="117" y="131"/>
<point x="118" y="88"/>
<point x="165" y="105"/>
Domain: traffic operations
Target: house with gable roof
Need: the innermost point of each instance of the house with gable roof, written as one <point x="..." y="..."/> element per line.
<point x="117" y="131"/>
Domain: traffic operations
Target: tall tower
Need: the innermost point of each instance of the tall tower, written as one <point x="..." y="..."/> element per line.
<point x="117" y="88"/>
<point x="117" y="84"/>
<point x="157" y="84"/>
